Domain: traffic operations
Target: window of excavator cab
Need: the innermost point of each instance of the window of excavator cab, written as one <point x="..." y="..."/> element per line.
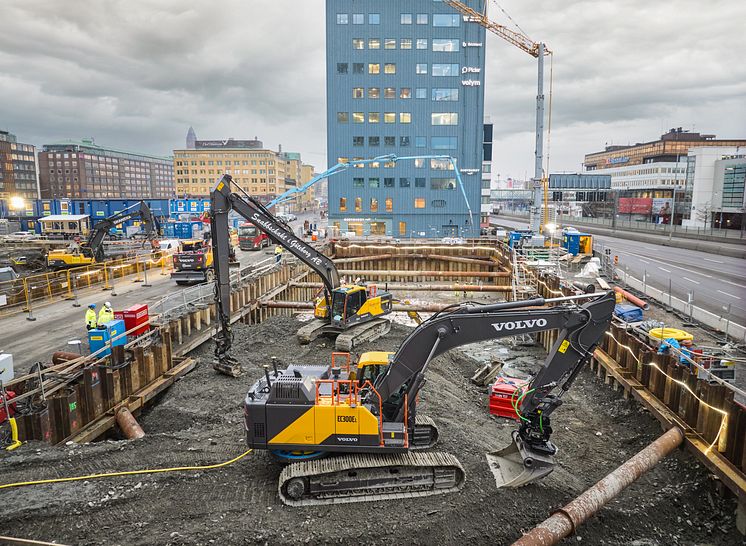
<point x="355" y="302"/>
<point x="370" y="373"/>
<point x="338" y="303"/>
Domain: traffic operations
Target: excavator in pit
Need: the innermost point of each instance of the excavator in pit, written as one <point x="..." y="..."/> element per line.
<point x="351" y="436"/>
<point x="352" y="313"/>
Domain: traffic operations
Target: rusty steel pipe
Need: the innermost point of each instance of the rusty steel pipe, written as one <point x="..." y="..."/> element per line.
<point x="423" y="287"/>
<point x="279" y="304"/>
<point x="566" y="520"/>
<point x="632" y="299"/>
<point x="418" y="273"/>
<point x="61" y="357"/>
<point x="129" y="425"/>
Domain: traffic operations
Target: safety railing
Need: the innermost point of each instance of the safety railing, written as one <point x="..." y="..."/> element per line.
<point x="25" y="293"/>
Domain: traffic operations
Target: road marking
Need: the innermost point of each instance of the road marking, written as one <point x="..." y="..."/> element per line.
<point x="644" y="261"/>
<point x="709" y="260"/>
<point x="731" y="295"/>
<point x="670" y="265"/>
<point x="664" y="269"/>
<point x="733" y="283"/>
<point x="690" y="280"/>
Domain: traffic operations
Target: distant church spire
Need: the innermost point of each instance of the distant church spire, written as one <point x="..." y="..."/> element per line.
<point x="191" y="139"/>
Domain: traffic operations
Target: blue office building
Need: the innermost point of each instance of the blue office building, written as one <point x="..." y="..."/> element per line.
<point x="404" y="78"/>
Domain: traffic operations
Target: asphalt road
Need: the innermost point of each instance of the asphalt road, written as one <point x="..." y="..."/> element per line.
<point x="60" y="322"/>
<point x="715" y="281"/>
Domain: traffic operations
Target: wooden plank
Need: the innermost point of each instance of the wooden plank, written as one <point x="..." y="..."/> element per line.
<point x="603" y="284"/>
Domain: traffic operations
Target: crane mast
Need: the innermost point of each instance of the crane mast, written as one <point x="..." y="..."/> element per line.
<point x="538" y="50"/>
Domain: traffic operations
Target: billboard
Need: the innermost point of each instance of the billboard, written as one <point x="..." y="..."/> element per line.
<point x="635" y="205"/>
<point x="662" y="206"/>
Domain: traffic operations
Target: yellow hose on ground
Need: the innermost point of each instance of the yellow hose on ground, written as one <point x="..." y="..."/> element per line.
<point x="127" y="473"/>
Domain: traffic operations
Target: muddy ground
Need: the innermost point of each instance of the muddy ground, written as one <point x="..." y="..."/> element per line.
<point x="198" y="421"/>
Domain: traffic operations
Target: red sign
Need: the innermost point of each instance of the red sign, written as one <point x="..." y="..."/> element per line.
<point x="635" y="205"/>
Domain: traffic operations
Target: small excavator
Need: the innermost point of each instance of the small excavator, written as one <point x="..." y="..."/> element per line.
<point x="372" y="425"/>
<point x="351" y="313"/>
<point x="92" y="251"/>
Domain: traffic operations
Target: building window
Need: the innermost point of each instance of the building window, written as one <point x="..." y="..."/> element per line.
<point x="374" y="18"/>
<point x="441" y="165"/>
<point x="389" y="117"/>
<point x="358" y="141"/>
<point x="420" y="142"/>
<point x="421" y="43"/>
<point x="405" y="43"/>
<point x="342" y="68"/>
<point x="358" y="92"/>
<point x="388" y="182"/>
<point x="443" y="94"/>
<point x="358" y="182"/>
<point x="404" y="182"/>
<point x="374" y="182"/>
<point x="405" y="93"/>
<point x="444" y="143"/>
<point x="373" y="204"/>
<point x="358" y="204"/>
<point x="444" y="20"/>
<point x="438" y="203"/>
<point x="406" y="19"/>
<point x="389" y="43"/>
<point x="374" y="92"/>
<point x="444" y="118"/>
<point x="404" y="141"/>
<point x="443" y="183"/>
<point x="402" y="228"/>
<point x="419" y="202"/>
<point x="421" y="93"/>
<point x="389" y="204"/>
<point x="419" y="182"/>
<point x="422" y="18"/>
<point x="405" y="117"/>
<point x="374" y="141"/>
<point x="389" y="68"/>
<point x="445" y="44"/>
<point x="374" y="43"/>
<point x="374" y="117"/>
<point x="358" y="19"/>
<point x="389" y="92"/>
<point x="343" y="18"/>
<point x="342" y="117"/>
<point x="358" y="43"/>
<point x="374" y="68"/>
<point x="342" y="204"/>
<point x="358" y="117"/>
<point x="421" y="68"/>
<point x="389" y="141"/>
<point x="419" y="163"/>
<point x="449" y="69"/>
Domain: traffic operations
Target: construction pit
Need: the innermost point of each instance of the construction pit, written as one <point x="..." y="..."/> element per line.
<point x="198" y="421"/>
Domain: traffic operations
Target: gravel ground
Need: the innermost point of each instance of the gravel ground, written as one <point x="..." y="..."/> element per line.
<point x="198" y="421"/>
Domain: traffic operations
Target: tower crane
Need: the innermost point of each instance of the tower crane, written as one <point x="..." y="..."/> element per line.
<point x="538" y="50"/>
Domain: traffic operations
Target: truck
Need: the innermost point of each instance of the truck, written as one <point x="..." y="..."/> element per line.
<point x="251" y="238"/>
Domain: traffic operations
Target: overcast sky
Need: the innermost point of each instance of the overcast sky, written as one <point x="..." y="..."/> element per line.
<point x="137" y="73"/>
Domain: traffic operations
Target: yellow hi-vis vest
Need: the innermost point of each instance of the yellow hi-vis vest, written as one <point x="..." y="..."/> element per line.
<point x="104" y="316"/>
<point x="90" y="318"/>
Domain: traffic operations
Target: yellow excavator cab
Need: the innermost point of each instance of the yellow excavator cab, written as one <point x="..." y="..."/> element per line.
<point x="370" y="366"/>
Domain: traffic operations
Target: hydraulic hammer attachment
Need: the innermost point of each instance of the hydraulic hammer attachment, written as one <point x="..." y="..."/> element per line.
<point x="519" y="463"/>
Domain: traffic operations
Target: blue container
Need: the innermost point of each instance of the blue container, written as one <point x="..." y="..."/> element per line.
<point x="98" y="338"/>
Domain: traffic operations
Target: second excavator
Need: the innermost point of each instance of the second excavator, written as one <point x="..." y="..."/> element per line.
<point x="352" y="313"/>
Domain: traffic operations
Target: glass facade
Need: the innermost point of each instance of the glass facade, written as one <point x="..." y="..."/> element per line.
<point x="407" y="80"/>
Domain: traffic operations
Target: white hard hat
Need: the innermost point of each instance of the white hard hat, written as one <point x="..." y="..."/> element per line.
<point x="107" y="304"/>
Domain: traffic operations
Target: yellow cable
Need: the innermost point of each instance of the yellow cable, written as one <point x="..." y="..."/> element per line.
<point x="127" y="473"/>
<point x="684" y="385"/>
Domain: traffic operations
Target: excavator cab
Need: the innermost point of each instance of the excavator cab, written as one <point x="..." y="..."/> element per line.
<point x="356" y="303"/>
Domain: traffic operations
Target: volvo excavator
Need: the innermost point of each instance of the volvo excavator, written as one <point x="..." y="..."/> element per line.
<point x="92" y="251"/>
<point x="371" y="424"/>
<point x="351" y="313"/>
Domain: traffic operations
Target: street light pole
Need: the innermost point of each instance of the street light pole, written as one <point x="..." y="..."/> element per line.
<point x="673" y="198"/>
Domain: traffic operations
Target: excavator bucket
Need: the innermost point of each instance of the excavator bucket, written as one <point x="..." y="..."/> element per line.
<point x="517" y="464"/>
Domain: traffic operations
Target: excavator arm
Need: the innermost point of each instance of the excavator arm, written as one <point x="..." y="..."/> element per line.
<point x="95" y="241"/>
<point x="580" y="330"/>
<point x="223" y="201"/>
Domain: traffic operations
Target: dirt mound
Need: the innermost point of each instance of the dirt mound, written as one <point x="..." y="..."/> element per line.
<point x="199" y="421"/>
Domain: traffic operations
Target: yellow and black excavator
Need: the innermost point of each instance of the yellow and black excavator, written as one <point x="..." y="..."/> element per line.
<point x="92" y="251"/>
<point x="352" y="313"/>
<point x="372" y="424"/>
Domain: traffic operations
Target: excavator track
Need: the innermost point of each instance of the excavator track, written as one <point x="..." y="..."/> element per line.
<point x="310" y="331"/>
<point x="369" y="477"/>
<point x="360" y="333"/>
<point x="425" y="433"/>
